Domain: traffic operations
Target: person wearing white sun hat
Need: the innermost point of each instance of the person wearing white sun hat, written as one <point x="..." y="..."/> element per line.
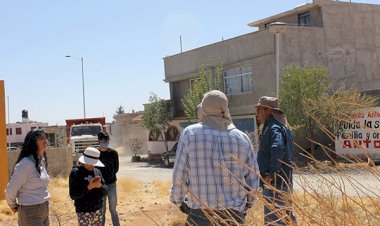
<point x="87" y="188"/>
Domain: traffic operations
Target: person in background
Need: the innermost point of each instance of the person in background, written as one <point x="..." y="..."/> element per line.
<point x="110" y="159"/>
<point x="29" y="182"/>
<point x="213" y="161"/>
<point x="87" y="188"/>
<point x="275" y="152"/>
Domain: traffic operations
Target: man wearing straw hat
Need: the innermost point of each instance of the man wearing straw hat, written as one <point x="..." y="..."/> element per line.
<point x="275" y="151"/>
<point x="215" y="167"/>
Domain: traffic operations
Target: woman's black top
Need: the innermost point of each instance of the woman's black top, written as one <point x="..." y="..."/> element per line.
<point x="86" y="200"/>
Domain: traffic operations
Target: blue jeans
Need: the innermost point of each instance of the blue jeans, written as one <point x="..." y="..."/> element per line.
<point x="278" y="208"/>
<point x="112" y="203"/>
<point x="198" y="217"/>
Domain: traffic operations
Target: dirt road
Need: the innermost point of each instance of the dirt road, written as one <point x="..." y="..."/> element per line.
<point x="143" y="171"/>
<point x="354" y="181"/>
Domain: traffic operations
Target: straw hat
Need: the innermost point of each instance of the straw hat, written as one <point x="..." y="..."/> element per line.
<point x="269" y="102"/>
<point x="272" y="103"/>
<point x="91" y="157"/>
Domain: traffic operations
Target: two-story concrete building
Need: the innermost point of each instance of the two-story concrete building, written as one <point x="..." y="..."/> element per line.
<point x="344" y="37"/>
<point x="16" y="132"/>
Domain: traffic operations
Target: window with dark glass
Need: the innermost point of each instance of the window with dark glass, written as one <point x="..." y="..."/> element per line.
<point x="304" y="19"/>
<point x="18" y="131"/>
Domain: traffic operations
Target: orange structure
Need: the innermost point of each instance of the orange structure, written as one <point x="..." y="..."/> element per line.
<point x="3" y="143"/>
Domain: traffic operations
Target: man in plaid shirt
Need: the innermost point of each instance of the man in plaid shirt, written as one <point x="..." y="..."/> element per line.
<point x="215" y="173"/>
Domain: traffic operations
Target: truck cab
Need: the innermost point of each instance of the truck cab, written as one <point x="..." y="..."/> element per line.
<point x="83" y="136"/>
<point x="83" y="133"/>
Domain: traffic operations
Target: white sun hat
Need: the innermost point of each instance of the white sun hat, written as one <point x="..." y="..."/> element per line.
<point x="91" y="157"/>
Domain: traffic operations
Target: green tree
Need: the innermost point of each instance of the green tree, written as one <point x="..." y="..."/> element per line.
<point x="311" y="106"/>
<point x="157" y="115"/>
<point x="209" y="78"/>
<point x="119" y="110"/>
<point x="299" y="86"/>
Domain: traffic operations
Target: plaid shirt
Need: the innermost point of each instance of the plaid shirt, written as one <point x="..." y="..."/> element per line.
<point x="204" y="158"/>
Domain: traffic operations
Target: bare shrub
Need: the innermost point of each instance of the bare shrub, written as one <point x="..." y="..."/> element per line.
<point x="135" y="144"/>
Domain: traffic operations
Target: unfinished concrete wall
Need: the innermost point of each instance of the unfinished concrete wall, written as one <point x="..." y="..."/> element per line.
<point x="186" y="65"/>
<point x="116" y="137"/>
<point x="60" y="161"/>
<point x="353" y="43"/>
<point x="135" y="131"/>
<point x="303" y="46"/>
<point x="254" y="49"/>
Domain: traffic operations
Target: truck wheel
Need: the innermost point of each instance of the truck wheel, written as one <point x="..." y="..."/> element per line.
<point x="166" y="162"/>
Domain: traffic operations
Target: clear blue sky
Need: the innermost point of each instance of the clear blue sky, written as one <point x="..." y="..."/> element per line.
<point x="122" y="43"/>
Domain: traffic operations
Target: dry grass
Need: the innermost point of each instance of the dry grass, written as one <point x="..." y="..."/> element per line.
<point x="62" y="211"/>
<point x="320" y="199"/>
<point x="328" y="194"/>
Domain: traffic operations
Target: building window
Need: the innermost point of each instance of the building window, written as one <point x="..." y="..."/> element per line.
<point x="304" y="19"/>
<point x="32" y="128"/>
<point x="7" y="132"/>
<point x="10" y="131"/>
<point x="18" y="131"/>
<point x="192" y="83"/>
<point x="238" y="80"/>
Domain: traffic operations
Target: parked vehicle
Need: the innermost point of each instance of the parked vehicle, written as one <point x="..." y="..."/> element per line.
<point x="169" y="157"/>
<point x="82" y="133"/>
<point x="12" y="148"/>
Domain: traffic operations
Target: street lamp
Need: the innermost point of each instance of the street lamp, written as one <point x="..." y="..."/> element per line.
<point x="84" y="101"/>
<point x="277" y="28"/>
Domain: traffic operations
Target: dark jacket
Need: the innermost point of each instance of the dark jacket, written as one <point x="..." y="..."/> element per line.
<point x="85" y="200"/>
<point x="110" y="159"/>
<point x="276" y="146"/>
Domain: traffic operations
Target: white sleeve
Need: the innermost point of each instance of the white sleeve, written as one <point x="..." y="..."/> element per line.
<point x="20" y="174"/>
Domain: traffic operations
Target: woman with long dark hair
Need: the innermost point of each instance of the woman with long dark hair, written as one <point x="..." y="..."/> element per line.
<point x="27" y="192"/>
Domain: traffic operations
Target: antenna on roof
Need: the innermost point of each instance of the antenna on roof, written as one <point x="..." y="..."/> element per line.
<point x="180" y="42"/>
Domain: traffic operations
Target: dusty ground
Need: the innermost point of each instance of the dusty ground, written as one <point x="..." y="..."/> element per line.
<point x="140" y="204"/>
<point x="144" y="194"/>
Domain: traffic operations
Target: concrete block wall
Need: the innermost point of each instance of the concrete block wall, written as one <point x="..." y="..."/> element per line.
<point x="60" y="161"/>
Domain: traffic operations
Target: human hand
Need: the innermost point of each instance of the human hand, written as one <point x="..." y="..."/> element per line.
<point x="268" y="179"/>
<point x="94" y="183"/>
<point x="184" y="208"/>
<point x="14" y="210"/>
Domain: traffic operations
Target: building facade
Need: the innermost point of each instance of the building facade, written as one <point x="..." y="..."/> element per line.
<point x="341" y="36"/>
<point x="16" y="132"/>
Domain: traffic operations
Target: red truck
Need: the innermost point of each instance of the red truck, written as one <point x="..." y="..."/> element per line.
<point x="82" y="133"/>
